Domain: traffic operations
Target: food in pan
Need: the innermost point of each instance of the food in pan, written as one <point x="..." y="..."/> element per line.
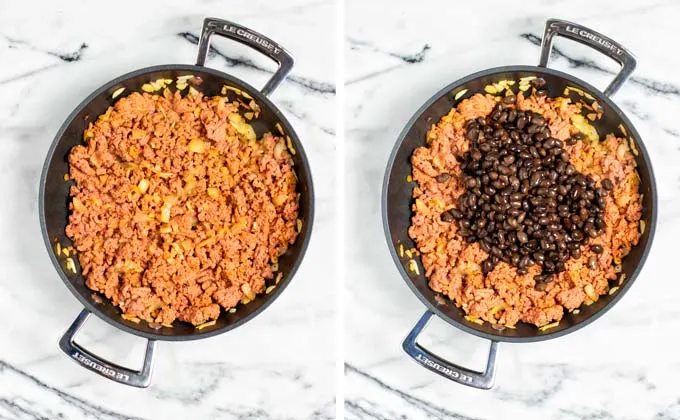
<point x="177" y="209"/>
<point x="521" y="210"/>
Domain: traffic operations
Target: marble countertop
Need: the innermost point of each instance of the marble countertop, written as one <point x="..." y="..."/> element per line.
<point x="281" y="364"/>
<point x="624" y="366"/>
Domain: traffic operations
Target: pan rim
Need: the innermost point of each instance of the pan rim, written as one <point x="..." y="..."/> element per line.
<point x="307" y="232"/>
<point x="397" y="146"/>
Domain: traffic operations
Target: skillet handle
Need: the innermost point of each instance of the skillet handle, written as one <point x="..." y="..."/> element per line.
<point x="250" y="38"/>
<point x="125" y="376"/>
<point x="595" y="40"/>
<point x="479" y="380"/>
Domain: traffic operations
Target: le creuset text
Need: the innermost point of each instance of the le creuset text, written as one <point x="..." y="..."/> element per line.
<point x="94" y="365"/>
<point x="450" y="372"/>
<point x="599" y="40"/>
<point x="258" y="40"/>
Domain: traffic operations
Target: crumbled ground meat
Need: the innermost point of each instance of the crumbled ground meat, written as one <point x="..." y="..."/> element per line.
<point x="453" y="267"/>
<point x="177" y="210"/>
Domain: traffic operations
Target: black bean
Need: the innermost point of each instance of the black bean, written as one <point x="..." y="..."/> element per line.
<point x="457" y="214"/>
<point x="597" y="249"/>
<point x="541" y="285"/>
<point x="592" y="262"/>
<point x="521" y="217"/>
<point x="538" y="82"/>
<point x="485" y="246"/>
<point x="522" y="237"/>
<point x="443" y="177"/>
<point x="471" y="182"/>
<point x="476" y="155"/>
<point x="541" y="280"/>
<point x="607" y="184"/>
<point x="501" y="237"/>
<point x="487" y="266"/>
<point x="538" y="120"/>
<point x="521" y="122"/>
<point x="522" y="196"/>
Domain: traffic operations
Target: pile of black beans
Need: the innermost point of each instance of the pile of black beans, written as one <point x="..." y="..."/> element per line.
<point x="523" y="201"/>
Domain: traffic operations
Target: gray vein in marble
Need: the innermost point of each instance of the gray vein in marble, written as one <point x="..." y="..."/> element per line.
<point x="586" y="413"/>
<point x="245" y="413"/>
<point x="654" y="86"/>
<point x="19" y="409"/>
<point x="432" y="410"/>
<point x="374" y="74"/>
<point x="672" y="132"/>
<point x="308" y="84"/>
<point x="637" y="378"/>
<point x="633" y="108"/>
<point x="289" y="106"/>
<point x="407" y="59"/>
<point x="325" y="413"/>
<point x="672" y="412"/>
<point x="67" y="57"/>
<point x="418" y="57"/>
<point x="27" y="74"/>
<point x="200" y="392"/>
<point x="559" y="373"/>
<point x="364" y="413"/>
<point x="88" y="409"/>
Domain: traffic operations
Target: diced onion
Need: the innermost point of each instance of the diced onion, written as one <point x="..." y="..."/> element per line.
<point x="197" y="146"/>
<point x="213" y="193"/>
<point x="143" y="186"/>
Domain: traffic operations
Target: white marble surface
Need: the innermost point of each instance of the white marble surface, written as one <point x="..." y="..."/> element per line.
<point x="624" y="366"/>
<point x="278" y="366"/>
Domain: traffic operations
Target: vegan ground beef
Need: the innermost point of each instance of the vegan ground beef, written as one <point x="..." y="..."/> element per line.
<point x="177" y="210"/>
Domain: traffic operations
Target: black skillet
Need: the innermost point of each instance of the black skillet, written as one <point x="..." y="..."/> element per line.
<point x="396" y="199"/>
<point x="54" y="198"/>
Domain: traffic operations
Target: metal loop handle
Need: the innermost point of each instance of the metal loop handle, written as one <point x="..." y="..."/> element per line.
<point x="125" y="376"/>
<point x="250" y="38"/>
<point x="595" y="40"/>
<point x="480" y="380"/>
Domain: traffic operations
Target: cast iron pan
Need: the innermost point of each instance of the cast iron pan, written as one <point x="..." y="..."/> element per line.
<point x="396" y="199"/>
<point x="54" y="198"/>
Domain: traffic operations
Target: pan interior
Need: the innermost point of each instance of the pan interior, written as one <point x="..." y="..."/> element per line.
<point x="55" y="199"/>
<point x="397" y="199"/>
